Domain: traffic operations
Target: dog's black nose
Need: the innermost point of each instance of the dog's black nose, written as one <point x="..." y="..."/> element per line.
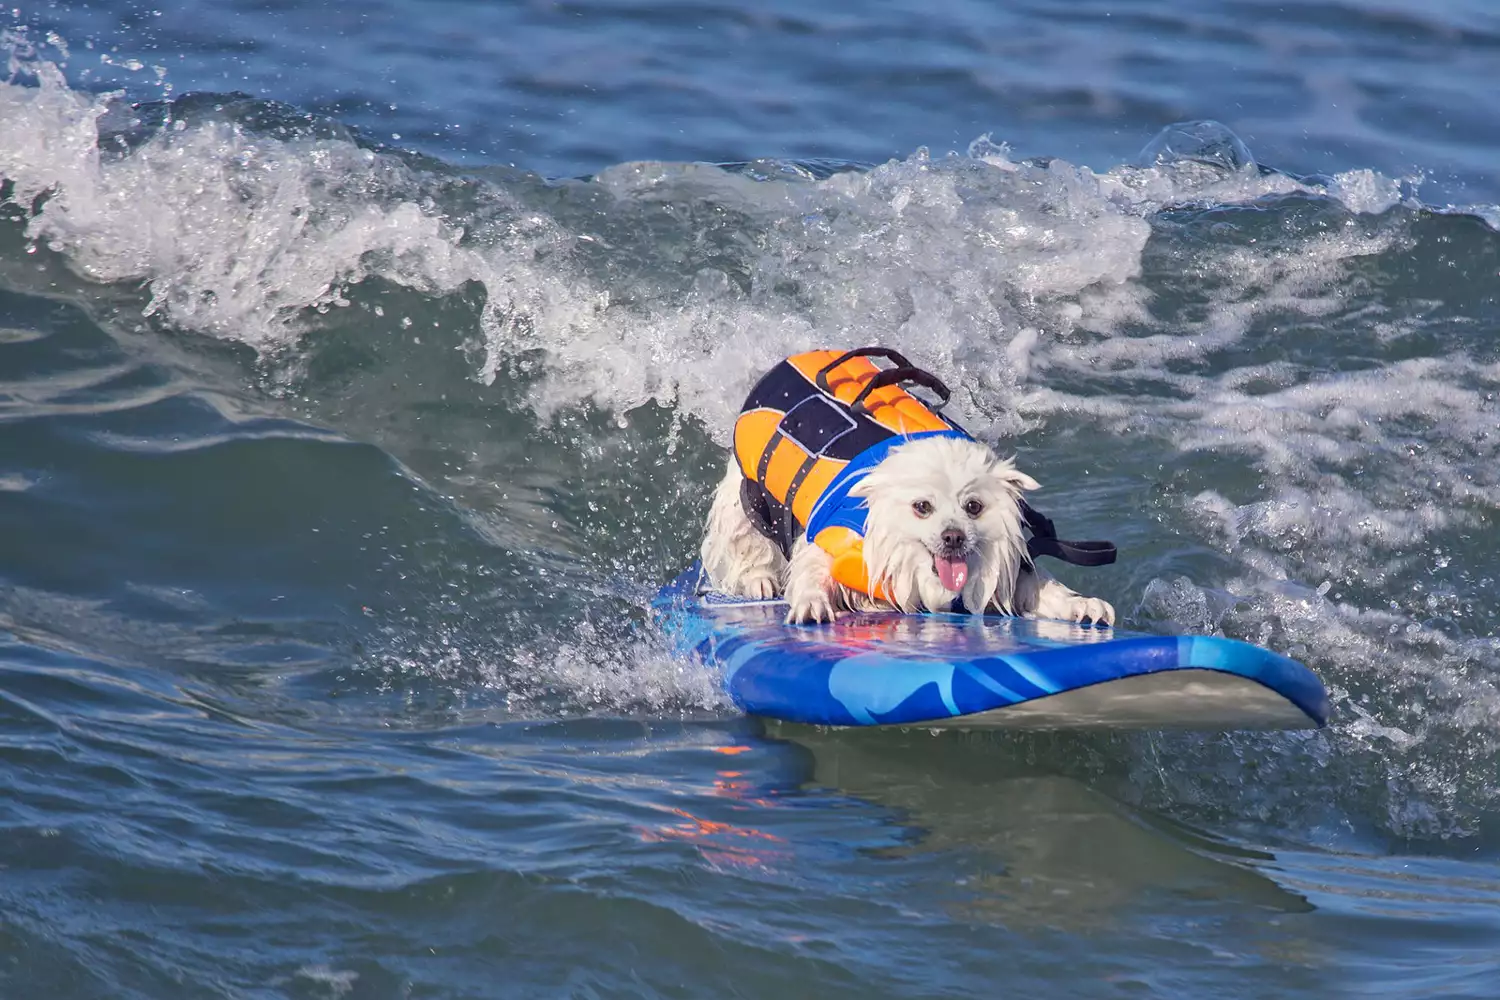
<point x="953" y="540"/>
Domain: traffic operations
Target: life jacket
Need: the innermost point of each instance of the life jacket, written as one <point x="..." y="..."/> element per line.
<point x="816" y="424"/>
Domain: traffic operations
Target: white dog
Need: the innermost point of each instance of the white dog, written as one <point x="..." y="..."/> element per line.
<point x="943" y="524"/>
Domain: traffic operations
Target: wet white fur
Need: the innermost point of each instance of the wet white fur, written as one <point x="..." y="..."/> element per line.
<point x="899" y="545"/>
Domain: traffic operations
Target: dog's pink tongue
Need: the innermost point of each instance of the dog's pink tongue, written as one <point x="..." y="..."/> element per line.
<point x="953" y="572"/>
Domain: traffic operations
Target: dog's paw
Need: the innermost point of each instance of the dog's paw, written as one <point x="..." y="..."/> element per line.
<point x="1092" y="609"/>
<point x="760" y="587"/>
<point x="815" y="608"/>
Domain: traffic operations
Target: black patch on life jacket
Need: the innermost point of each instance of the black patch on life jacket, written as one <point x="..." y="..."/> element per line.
<point x="817" y="422"/>
<point x="813" y="418"/>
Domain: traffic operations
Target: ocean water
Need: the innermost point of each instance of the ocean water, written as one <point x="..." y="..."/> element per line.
<point x="365" y="368"/>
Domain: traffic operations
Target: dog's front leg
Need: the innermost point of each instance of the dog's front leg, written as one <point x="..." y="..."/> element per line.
<point x="740" y="561"/>
<point x="1039" y="595"/>
<point x="810" y="588"/>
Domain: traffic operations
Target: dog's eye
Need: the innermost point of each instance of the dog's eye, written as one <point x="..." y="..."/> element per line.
<point x="974" y="507"/>
<point x="922" y="508"/>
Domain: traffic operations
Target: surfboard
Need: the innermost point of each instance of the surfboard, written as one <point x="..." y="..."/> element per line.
<point x="982" y="671"/>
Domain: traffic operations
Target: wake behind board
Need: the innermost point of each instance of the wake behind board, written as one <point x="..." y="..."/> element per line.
<point x="983" y="672"/>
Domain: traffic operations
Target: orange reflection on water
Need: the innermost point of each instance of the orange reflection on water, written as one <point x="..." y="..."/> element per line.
<point x="721" y="843"/>
<point x="728" y="785"/>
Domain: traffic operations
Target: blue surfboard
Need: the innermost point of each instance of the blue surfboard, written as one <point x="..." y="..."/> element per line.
<point x="982" y="671"/>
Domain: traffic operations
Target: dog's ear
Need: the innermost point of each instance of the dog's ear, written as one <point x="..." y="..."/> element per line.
<point x="1014" y="477"/>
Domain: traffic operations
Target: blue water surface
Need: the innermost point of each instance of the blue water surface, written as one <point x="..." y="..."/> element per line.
<point x="365" y="369"/>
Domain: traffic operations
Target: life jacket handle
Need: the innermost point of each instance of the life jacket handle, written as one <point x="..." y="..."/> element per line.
<point x="904" y="371"/>
<point x="895" y="376"/>
<point x="859" y="352"/>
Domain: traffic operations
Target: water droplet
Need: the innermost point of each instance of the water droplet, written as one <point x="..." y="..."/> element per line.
<point x="1205" y="142"/>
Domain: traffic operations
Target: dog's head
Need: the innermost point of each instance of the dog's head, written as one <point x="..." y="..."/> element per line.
<point x="944" y="522"/>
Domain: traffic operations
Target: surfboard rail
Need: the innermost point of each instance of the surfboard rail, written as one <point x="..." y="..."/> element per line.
<point x="983" y="671"/>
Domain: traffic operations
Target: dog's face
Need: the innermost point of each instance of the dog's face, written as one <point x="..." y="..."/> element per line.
<point x="944" y="522"/>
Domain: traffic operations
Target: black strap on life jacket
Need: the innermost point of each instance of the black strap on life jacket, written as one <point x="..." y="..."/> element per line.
<point x="770" y="516"/>
<point x="1044" y="542"/>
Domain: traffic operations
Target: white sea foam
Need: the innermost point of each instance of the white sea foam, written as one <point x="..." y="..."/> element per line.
<point x="582" y="672"/>
<point x="972" y="263"/>
<point x="332" y="982"/>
